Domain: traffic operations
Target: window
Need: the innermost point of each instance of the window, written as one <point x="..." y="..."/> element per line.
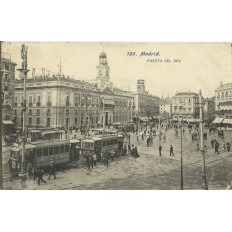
<point x="56" y="150"/>
<point x="50" y="150"/>
<point x="61" y="149"/>
<point x="38" y="121"/>
<point x="38" y="99"/>
<point x="7" y="67"/>
<point x="29" y="121"/>
<point x="66" y="148"/>
<point x="45" y="151"/>
<point x="49" y="98"/>
<point x="39" y="152"/>
<point x="75" y="121"/>
<point x="104" y="143"/>
<point x="30" y="99"/>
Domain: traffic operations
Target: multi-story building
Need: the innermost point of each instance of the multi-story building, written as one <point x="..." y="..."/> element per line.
<point x="8" y="88"/>
<point x="146" y="106"/>
<point x="63" y="102"/>
<point x="185" y="105"/>
<point x="165" y="107"/>
<point x="223" y="100"/>
<point x="209" y="109"/>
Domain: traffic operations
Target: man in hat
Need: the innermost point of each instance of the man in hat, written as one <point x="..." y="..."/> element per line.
<point x="40" y="173"/>
<point x="52" y="170"/>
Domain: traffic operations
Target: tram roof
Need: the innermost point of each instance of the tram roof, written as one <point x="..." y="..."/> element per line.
<point x="50" y="142"/>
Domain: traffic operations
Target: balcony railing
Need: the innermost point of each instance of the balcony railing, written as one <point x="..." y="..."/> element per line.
<point x="49" y="103"/>
<point x="38" y="104"/>
<point x="30" y="104"/>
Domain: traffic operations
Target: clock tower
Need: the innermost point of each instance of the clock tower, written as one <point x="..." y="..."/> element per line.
<point x="103" y="68"/>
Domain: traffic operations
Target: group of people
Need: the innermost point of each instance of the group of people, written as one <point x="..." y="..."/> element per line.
<point x="215" y="144"/>
<point x="37" y="173"/>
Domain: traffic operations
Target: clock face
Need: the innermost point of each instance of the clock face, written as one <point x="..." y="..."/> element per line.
<point x="100" y="72"/>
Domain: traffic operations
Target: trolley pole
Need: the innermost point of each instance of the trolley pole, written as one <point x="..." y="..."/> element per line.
<point x="181" y="157"/>
<point x="1" y="77"/>
<point x="204" y="185"/>
<point x="24" y="71"/>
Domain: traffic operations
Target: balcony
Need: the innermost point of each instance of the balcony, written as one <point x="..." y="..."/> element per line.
<point x="38" y="104"/>
<point x="30" y="104"/>
<point x="49" y="104"/>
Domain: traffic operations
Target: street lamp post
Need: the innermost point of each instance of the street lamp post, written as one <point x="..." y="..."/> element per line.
<point x="203" y="175"/>
<point x="181" y="157"/>
<point x="24" y="71"/>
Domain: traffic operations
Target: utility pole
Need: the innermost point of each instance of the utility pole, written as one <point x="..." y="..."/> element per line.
<point x="181" y="158"/>
<point x="1" y="77"/>
<point x="204" y="185"/>
<point x="24" y="71"/>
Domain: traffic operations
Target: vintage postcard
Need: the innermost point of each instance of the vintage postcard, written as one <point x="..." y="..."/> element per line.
<point x="116" y="116"/>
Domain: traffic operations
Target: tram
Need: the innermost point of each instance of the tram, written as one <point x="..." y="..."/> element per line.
<point x="104" y="143"/>
<point x="41" y="153"/>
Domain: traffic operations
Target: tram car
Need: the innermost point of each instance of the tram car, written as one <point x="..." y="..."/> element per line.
<point x="105" y="143"/>
<point x="41" y="153"/>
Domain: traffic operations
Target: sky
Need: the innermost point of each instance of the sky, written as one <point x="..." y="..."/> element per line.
<point x="202" y="66"/>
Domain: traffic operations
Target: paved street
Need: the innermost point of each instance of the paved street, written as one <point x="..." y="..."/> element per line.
<point x="149" y="171"/>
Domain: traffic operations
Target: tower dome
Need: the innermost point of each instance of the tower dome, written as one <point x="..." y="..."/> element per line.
<point x="102" y="55"/>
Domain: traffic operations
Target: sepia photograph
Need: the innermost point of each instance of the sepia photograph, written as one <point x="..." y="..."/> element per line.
<point x="116" y="116"/>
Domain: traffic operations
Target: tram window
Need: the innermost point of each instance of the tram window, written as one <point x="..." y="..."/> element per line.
<point x="111" y="142"/>
<point x="56" y="150"/>
<point x="61" y="149"/>
<point x="116" y="141"/>
<point x="39" y="152"/>
<point x="50" y="150"/>
<point x="66" y="148"/>
<point x="45" y="151"/>
<point x="104" y="143"/>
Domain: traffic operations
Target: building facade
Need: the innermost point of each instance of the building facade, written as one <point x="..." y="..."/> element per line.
<point x="223" y="100"/>
<point x="165" y="107"/>
<point x="58" y="101"/>
<point x="145" y="105"/>
<point x="209" y="109"/>
<point x="185" y="105"/>
<point x="8" y="88"/>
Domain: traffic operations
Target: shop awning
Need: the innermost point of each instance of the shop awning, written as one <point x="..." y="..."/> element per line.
<point x="108" y="102"/>
<point x="218" y="120"/>
<point x="227" y="121"/>
<point x="7" y="122"/>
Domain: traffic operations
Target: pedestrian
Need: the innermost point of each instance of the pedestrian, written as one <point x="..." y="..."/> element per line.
<point x="198" y="146"/>
<point x="212" y="143"/>
<point x="29" y="170"/>
<point x="171" y="150"/>
<point x="164" y="137"/>
<point x="148" y="141"/>
<point x="94" y="159"/>
<point x="216" y="148"/>
<point x="124" y="150"/>
<point x="34" y="173"/>
<point x="103" y="157"/>
<point x="136" y="154"/>
<point x="228" y="146"/>
<point x="129" y="138"/>
<point x="52" y="170"/>
<point x="91" y="161"/>
<point x="160" y="149"/>
<point x="106" y="160"/>
<point x="112" y="155"/>
<point x="40" y="174"/>
<point x="132" y="150"/>
<point x="88" y="162"/>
